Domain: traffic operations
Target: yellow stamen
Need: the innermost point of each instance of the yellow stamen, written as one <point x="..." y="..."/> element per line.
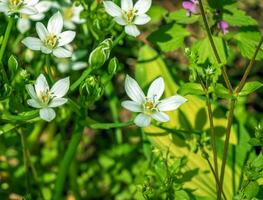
<point x="51" y="41"/>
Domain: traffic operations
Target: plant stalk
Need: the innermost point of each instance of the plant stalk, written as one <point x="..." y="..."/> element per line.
<point x="118" y="39"/>
<point x="82" y="78"/>
<point x="210" y="37"/>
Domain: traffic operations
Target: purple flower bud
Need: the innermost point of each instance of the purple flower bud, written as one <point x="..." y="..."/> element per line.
<point x="223" y="26"/>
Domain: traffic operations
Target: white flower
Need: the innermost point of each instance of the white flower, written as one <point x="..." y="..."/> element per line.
<point x="150" y="106"/>
<point x="10" y="7"/>
<point x="71" y="16"/>
<point x="129" y="15"/>
<point x="46" y="99"/>
<point x="51" y="39"/>
<point x="23" y="23"/>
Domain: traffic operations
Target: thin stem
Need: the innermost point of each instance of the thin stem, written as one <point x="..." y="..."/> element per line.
<point x="82" y="78"/>
<point x="213" y="136"/>
<point x="3" y="46"/>
<point x="226" y="145"/>
<point x="49" y="70"/>
<point x="65" y="163"/>
<point x="118" y="39"/>
<point x="20" y="117"/>
<point x="210" y="37"/>
<point x="25" y="158"/>
<point x="249" y="68"/>
<point x="107" y="126"/>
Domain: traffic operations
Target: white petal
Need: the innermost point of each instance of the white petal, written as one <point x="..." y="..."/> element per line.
<point x="41" y="84"/>
<point x="29" y="10"/>
<point x="33" y="103"/>
<point x="31" y="2"/>
<point x="43" y="6"/>
<point x="132" y="106"/>
<point x="132" y="30"/>
<point x="60" y="88"/>
<point x="62" y="53"/>
<point x="37" y="17"/>
<point x="55" y="24"/>
<point x="112" y="9"/>
<point x="133" y="90"/>
<point x="66" y="38"/>
<point x="32" y="43"/>
<point x="156" y="89"/>
<point x="142" y="120"/>
<point x="142" y="6"/>
<point x="69" y="25"/>
<point x="45" y="50"/>
<point x="141" y="19"/>
<point x="57" y="102"/>
<point x="171" y="103"/>
<point x="126" y="5"/>
<point x="23" y="25"/>
<point x="160" y="117"/>
<point x="120" y="21"/>
<point x="4" y="7"/>
<point x="31" y="91"/>
<point x="47" y="114"/>
<point x="41" y="31"/>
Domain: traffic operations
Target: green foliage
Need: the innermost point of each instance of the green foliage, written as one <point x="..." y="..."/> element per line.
<point x="180" y="17"/>
<point x="191" y="88"/>
<point x="169" y="37"/>
<point x="250" y="87"/>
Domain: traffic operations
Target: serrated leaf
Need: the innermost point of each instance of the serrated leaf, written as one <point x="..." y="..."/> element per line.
<point x="180" y="17"/>
<point x="250" y="87"/>
<point x="205" y="52"/>
<point x="236" y="17"/>
<point x="169" y="37"/>
<point x="191" y="88"/>
<point x="247" y="43"/>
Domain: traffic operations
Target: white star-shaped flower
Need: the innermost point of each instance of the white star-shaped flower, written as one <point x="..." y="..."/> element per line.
<point x="150" y="106"/>
<point x="129" y="15"/>
<point x="52" y="39"/>
<point x="72" y="17"/>
<point x="10" y="7"/>
<point x="46" y="99"/>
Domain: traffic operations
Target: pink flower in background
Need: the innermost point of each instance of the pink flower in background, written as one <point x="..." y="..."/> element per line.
<point x="190" y="6"/>
<point x="223" y="26"/>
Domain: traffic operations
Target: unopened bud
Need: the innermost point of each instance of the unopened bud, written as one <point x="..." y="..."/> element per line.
<point x="113" y="66"/>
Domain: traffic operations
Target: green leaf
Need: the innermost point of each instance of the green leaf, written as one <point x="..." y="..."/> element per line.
<point x="181" y="194"/>
<point x="222" y="92"/>
<point x="205" y="52"/>
<point x="247" y="43"/>
<point x="236" y="17"/>
<point x="250" y="87"/>
<point x="251" y="190"/>
<point x="255" y="142"/>
<point x="191" y="88"/>
<point x="180" y="17"/>
<point x="169" y="37"/>
<point x="157" y="13"/>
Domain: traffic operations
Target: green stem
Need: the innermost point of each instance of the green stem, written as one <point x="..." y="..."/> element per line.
<point x="82" y="78"/>
<point x="49" y="70"/>
<point x="249" y="68"/>
<point x="65" y="163"/>
<point x="118" y="39"/>
<point x="107" y="126"/>
<point x="26" y="163"/>
<point x="3" y="46"/>
<point x="20" y="117"/>
<point x="226" y="145"/>
<point x="210" y="37"/>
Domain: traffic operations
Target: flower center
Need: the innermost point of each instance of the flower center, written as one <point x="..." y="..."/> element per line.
<point x="51" y="41"/>
<point x="149" y="106"/>
<point x="44" y="96"/>
<point x="68" y="13"/>
<point x="15" y="4"/>
<point x="130" y="15"/>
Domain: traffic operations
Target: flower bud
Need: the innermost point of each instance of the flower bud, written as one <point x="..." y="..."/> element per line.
<point x="100" y="54"/>
<point x="113" y="66"/>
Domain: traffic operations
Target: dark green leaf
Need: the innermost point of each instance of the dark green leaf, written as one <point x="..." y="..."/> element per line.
<point x="169" y="37"/>
<point x="250" y="87"/>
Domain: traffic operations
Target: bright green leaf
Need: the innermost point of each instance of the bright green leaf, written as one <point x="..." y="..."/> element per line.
<point x="251" y="190"/>
<point x="222" y="92"/>
<point x="180" y="17"/>
<point x="169" y="37"/>
<point x="191" y="88"/>
<point x="250" y="87"/>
